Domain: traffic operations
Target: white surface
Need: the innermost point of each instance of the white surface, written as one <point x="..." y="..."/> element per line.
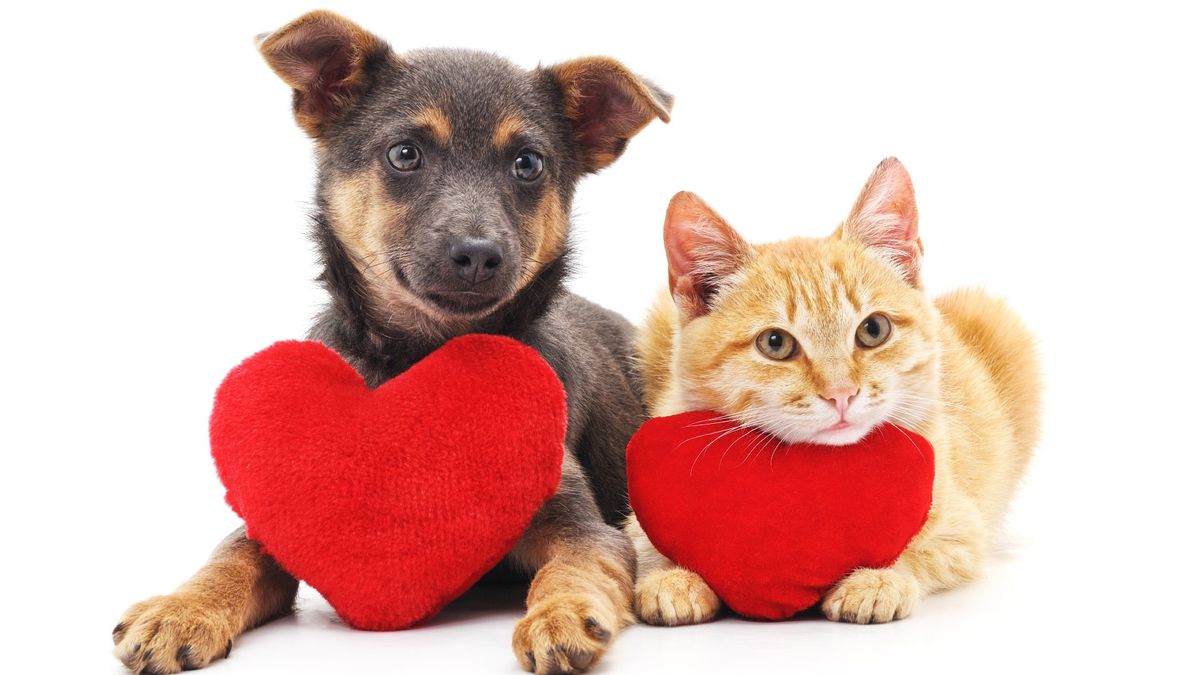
<point x="154" y="209"/>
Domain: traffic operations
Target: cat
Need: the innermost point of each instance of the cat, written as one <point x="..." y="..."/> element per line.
<point x="822" y="339"/>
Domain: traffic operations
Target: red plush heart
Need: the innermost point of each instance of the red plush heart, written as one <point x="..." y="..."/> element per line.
<point x="390" y="502"/>
<point x="771" y="527"/>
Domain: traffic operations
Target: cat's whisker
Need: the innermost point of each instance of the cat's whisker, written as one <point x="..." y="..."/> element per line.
<point x="778" y="444"/>
<point x="721" y="462"/>
<point x="763" y="439"/>
<point x="700" y="454"/>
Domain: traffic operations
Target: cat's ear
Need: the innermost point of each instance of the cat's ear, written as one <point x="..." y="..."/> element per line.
<point x="702" y="252"/>
<point x="325" y="59"/>
<point x="884" y="219"/>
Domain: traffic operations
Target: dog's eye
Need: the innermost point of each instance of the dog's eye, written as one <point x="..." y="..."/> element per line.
<point x="776" y="344"/>
<point x="873" y="331"/>
<point x="404" y="156"/>
<point x="528" y="165"/>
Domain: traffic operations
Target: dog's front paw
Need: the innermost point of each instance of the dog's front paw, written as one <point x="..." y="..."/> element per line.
<point x="563" y="634"/>
<point x="170" y="633"/>
<point x="872" y="596"/>
<point x="674" y="597"/>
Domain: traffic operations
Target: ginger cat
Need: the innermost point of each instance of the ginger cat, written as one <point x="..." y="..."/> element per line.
<point x="820" y="340"/>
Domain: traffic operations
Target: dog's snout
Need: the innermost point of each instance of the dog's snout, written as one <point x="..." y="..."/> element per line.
<point x="476" y="260"/>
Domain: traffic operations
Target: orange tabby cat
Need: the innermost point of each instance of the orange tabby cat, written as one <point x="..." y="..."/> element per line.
<point x="820" y="340"/>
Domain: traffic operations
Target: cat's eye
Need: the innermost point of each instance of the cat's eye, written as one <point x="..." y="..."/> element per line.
<point x="404" y="157"/>
<point x="873" y="331"/>
<point x="528" y="165"/>
<point x="775" y="344"/>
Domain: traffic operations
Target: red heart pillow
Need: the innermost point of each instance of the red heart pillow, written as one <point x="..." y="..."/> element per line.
<point x="772" y="527"/>
<point x="390" y="502"/>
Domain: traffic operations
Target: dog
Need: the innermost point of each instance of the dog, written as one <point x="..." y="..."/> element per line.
<point x="442" y="208"/>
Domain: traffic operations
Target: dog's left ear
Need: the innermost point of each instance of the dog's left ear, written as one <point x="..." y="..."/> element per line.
<point x="325" y="58"/>
<point x="607" y="105"/>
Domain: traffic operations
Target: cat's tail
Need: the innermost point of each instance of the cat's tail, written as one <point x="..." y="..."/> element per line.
<point x="998" y="337"/>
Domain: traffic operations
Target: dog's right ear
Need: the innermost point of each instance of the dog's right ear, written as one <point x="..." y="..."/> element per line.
<point x="325" y="59"/>
<point x="607" y="105"/>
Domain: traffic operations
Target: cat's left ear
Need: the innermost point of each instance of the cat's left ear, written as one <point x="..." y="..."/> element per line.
<point x="703" y="251"/>
<point x="884" y="219"/>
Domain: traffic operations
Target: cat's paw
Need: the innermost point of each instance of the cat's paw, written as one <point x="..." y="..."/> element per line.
<point x="872" y="596"/>
<point x="563" y="634"/>
<point x="170" y="633"/>
<point x="674" y="597"/>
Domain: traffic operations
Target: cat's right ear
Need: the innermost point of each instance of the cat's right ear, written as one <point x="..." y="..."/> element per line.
<point x="703" y="251"/>
<point x="325" y="59"/>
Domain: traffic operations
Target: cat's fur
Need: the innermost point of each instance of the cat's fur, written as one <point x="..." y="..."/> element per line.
<point x="960" y="370"/>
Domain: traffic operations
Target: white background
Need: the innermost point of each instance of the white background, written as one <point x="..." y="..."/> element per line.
<point x="155" y="199"/>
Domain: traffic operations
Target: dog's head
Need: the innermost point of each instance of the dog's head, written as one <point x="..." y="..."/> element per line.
<point x="446" y="176"/>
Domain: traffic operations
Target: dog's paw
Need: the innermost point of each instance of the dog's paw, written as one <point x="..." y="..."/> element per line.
<point x="563" y="634"/>
<point x="674" y="597"/>
<point x="170" y="633"/>
<point x="872" y="596"/>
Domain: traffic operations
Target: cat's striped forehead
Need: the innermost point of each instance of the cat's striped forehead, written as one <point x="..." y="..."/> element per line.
<point x="821" y="288"/>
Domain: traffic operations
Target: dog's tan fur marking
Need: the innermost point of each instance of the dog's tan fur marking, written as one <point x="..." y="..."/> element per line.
<point x="362" y="215"/>
<point x="508" y="128"/>
<point x="239" y="588"/>
<point x="582" y="594"/>
<point x="550" y="224"/>
<point x="365" y="218"/>
<point x="579" y="599"/>
<point x="436" y="122"/>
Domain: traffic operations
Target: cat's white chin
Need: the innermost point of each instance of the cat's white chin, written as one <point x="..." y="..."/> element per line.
<point x="841" y="435"/>
<point x="838" y="434"/>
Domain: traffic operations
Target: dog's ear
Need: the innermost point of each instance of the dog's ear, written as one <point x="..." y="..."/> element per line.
<point x="325" y="59"/>
<point x="607" y="105"/>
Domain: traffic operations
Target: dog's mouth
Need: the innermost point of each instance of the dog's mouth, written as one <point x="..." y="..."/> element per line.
<point x="457" y="302"/>
<point x="467" y="303"/>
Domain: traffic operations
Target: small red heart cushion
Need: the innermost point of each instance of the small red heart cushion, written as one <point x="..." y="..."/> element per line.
<point x="772" y="527"/>
<point x="390" y="502"/>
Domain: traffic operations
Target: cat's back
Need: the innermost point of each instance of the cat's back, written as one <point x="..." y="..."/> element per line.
<point x="994" y="334"/>
<point x="991" y="383"/>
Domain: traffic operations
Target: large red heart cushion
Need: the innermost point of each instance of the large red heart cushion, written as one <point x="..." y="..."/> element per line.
<point x="772" y="527"/>
<point x="390" y="502"/>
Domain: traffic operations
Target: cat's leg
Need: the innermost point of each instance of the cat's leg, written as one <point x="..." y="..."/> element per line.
<point x="666" y="594"/>
<point x="948" y="552"/>
<point x="239" y="588"/>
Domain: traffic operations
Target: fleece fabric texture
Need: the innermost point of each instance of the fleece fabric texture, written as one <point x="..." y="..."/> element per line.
<point x="772" y="527"/>
<point x="390" y="502"/>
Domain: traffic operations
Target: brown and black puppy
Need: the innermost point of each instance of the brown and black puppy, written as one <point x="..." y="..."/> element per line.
<point x="445" y="184"/>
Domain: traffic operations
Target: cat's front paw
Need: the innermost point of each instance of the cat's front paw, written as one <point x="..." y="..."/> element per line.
<point x="674" y="597"/>
<point x="872" y="596"/>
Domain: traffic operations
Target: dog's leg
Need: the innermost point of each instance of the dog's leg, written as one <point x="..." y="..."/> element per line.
<point x="239" y="588"/>
<point x="582" y="592"/>
<point x="666" y="594"/>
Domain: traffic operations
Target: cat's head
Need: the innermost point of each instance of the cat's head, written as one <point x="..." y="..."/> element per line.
<point x="811" y="340"/>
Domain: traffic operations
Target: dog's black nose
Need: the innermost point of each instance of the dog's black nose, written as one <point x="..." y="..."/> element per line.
<point x="475" y="260"/>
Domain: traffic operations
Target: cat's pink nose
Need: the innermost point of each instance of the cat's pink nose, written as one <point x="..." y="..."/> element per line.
<point x="840" y="398"/>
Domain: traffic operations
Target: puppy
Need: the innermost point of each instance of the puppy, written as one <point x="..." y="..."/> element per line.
<point x="445" y="184"/>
